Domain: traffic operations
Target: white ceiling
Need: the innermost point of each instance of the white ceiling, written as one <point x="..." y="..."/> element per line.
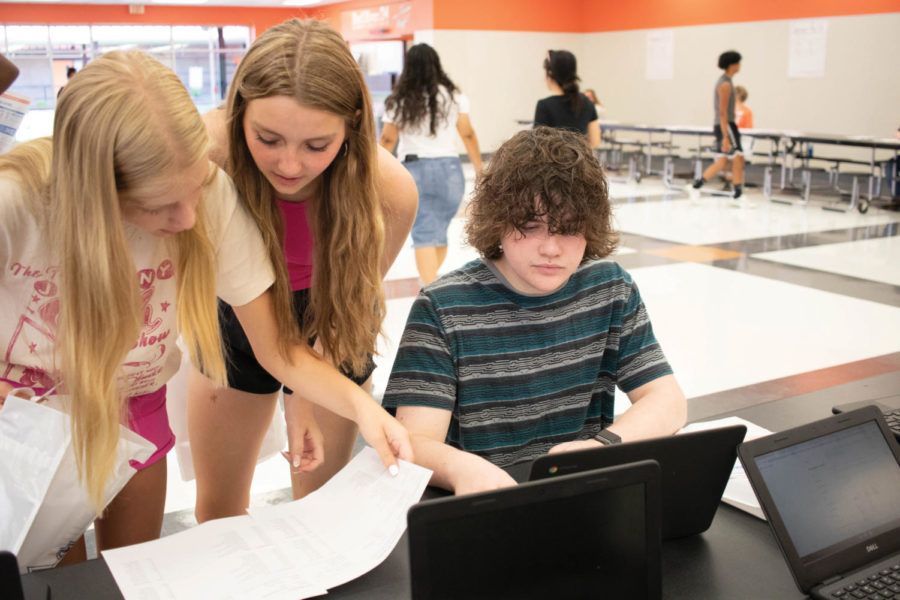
<point x="253" y="3"/>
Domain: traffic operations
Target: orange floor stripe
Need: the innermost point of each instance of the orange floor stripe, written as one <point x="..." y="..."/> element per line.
<point x="694" y="253"/>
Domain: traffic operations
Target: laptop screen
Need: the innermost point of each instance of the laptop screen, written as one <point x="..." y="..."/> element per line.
<point x="838" y="489"/>
<point x="585" y="542"/>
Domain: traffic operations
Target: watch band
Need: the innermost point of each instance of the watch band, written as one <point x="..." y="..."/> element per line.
<point x="607" y="437"/>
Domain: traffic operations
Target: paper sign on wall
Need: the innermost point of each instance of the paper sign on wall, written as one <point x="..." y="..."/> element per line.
<point x="806" y="50"/>
<point x="660" y="54"/>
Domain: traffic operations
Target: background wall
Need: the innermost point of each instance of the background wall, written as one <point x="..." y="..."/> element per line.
<point x="501" y="73"/>
<point x="859" y="94"/>
<point x="494" y="50"/>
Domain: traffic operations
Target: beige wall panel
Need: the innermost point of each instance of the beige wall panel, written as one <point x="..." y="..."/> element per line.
<point x="859" y="95"/>
<point x="501" y="73"/>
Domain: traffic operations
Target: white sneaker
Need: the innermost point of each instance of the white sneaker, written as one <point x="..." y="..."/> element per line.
<point x="693" y="193"/>
<point x="742" y="202"/>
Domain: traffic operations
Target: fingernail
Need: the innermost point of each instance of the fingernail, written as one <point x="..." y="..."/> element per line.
<point x="393" y="470"/>
<point x="296" y="461"/>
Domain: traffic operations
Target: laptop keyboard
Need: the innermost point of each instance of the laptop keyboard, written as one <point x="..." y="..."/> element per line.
<point x="893" y="421"/>
<point x="881" y="585"/>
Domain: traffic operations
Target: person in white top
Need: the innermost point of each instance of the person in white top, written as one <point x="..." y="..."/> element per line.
<point x="116" y="236"/>
<point x="425" y="110"/>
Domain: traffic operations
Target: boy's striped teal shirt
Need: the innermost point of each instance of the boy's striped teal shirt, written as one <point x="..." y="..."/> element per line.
<point x="521" y="373"/>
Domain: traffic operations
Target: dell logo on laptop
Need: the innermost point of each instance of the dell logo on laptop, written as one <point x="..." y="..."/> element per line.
<point x="871" y="547"/>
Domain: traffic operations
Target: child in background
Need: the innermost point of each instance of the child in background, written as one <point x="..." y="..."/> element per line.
<point x="742" y="112"/>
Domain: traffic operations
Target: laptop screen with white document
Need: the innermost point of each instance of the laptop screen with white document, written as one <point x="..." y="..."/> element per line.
<point x="589" y="535"/>
<point x="831" y="490"/>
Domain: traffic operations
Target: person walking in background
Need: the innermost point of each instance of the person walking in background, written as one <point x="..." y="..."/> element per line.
<point x="567" y="108"/>
<point x="744" y="118"/>
<point x="70" y="72"/>
<point x="426" y="110"/>
<point x="728" y="138"/>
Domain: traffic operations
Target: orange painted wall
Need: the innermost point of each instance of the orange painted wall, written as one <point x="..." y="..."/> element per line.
<point x="648" y="14"/>
<point x="520" y="15"/>
<point x="259" y="19"/>
<point x="96" y="14"/>
<point x="585" y="16"/>
<point x="422" y="12"/>
<point x="578" y="16"/>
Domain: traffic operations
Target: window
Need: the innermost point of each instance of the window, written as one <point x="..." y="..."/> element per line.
<point x="204" y="58"/>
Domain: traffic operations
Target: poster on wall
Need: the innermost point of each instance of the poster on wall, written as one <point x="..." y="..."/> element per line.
<point x="806" y="49"/>
<point x="378" y="22"/>
<point x="660" y="54"/>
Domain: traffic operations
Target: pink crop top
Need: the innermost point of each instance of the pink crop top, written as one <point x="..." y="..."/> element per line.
<point x="298" y="244"/>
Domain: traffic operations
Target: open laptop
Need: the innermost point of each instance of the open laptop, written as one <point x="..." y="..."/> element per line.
<point x="889" y="406"/>
<point x="831" y="493"/>
<point x="589" y="535"/>
<point x="695" y="468"/>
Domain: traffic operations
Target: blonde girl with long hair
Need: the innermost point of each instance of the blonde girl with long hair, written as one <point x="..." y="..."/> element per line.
<point x="298" y="138"/>
<point x="116" y="237"/>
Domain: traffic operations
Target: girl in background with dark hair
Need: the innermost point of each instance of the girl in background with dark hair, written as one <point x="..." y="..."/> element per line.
<point x="567" y="108"/>
<point x="423" y="111"/>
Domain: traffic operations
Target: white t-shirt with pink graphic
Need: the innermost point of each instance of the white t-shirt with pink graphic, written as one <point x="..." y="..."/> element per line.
<point x="29" y="300"/>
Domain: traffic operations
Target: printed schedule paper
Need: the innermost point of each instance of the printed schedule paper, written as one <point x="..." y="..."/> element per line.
<point x="288" y="551"/>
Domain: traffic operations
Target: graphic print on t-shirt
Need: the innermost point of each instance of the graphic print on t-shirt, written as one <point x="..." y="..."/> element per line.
<point x="30" y="352"/>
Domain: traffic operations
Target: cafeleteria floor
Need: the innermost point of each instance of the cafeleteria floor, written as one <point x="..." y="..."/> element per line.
<point x="750" y="304"/>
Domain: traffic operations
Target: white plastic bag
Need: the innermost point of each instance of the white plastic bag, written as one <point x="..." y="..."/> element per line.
<point x="44" y="508"/>
<point x="176" y="405"/>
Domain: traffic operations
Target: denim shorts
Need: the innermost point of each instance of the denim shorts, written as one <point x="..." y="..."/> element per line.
<point x="441" y="185"/>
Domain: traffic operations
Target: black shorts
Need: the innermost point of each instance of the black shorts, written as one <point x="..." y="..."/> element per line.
<point x="735" y="136"/>
<point x="244" y="371"/>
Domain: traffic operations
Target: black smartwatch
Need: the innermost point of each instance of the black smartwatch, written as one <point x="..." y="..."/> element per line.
<point x="607" y="437"/>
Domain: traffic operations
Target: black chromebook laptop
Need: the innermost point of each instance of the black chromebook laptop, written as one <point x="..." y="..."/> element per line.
<point x="889" y="406"/>
<point x="589" y="535"/>
<point x="694" y="467"/>
<point x="831" y="493"/>
<point x="11" y="585"/>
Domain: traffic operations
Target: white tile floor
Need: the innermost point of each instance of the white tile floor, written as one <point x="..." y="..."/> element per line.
<point x="712" y="220"/>
<point x="876" y="259"/>
<point x="720" y="329"/>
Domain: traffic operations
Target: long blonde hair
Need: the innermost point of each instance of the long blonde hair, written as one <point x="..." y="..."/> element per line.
<point x="124" y="121"/>
<point x="310" y="62"/>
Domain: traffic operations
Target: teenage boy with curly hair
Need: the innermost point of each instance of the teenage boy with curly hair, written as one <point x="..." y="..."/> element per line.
<point x="518" y="353"/>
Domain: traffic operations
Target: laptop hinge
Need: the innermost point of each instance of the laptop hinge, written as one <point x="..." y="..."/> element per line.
<point x="831" y="580"/>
